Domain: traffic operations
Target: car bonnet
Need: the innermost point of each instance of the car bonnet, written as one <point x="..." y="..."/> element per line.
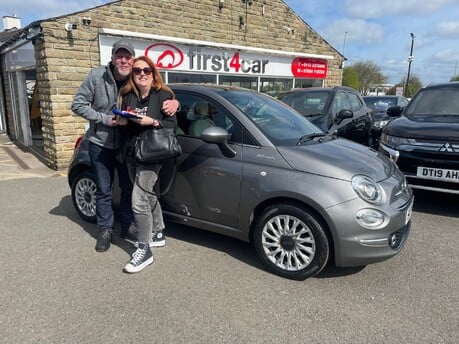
<point x="340" y="158"/>
<point x="427" y="127"/>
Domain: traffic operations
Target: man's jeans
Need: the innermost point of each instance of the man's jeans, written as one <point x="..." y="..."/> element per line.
<point x="104" y="163"/>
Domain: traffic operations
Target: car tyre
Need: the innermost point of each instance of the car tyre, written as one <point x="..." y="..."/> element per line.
<point x="291" y="242"/>
<point x="84" y="196"/>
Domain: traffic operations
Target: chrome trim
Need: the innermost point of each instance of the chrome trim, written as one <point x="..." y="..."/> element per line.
<point x="393" y="154"/>
<point x="383" y="242"/>
<point x="429" y="188"/>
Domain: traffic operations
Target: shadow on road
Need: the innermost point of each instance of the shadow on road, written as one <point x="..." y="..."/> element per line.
<point x="240" y="250"/>
<point x="436" y="203"/>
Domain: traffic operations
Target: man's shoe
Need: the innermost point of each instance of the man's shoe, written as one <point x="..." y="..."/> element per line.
<point x="103" y="241"/>
<point x="158" y="239"/>
<point x="141" y="258"/>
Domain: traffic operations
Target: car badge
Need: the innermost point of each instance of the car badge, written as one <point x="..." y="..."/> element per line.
<point x="447" y="148"/>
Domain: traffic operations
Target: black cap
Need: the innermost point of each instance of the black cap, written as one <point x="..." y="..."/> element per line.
<point x="123" y="44"/>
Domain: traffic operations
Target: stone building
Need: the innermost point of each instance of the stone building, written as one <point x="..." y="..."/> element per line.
<point x="258" y="44"/>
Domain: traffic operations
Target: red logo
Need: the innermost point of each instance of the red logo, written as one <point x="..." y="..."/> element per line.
<point x="165" y="55"/>
<point x="303" y="67"/>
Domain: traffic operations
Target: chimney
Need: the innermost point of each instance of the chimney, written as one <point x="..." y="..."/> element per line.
<point x="11" y="22"/>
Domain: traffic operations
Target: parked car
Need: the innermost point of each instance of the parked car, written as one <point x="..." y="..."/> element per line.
<point x="424" y="140"/>
<point x="336" y="110"/>
<point x="379" y="105"/>
<point x="254" y="169"/>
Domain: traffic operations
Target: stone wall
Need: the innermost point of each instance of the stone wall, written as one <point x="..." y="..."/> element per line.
<point x="64" y="58"/>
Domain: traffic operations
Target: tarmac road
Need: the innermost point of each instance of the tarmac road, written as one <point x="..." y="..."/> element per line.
<point x="206" y="288"/>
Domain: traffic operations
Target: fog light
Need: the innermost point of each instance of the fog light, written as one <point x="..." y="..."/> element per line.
<point x="370" y="218"/>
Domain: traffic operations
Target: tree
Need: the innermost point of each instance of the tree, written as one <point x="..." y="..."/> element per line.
<point x="454" y="78"/>
<point x="350" y="78"/>
<point x="368" y="74"/>
<point x="414" y="84"/>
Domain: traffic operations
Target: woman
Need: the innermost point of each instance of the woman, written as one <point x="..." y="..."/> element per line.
<point x="143" y="95"/>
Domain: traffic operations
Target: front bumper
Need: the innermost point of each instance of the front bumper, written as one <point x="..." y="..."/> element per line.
<point x="358" y="246"/>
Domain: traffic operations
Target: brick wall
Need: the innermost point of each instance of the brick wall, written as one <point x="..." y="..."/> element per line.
<point x="64" y="58"/>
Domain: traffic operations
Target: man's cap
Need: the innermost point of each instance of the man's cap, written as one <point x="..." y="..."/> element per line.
<point x="123" y="44"/>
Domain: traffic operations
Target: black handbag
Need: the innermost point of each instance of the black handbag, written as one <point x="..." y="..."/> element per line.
<point x="153" y="146"/>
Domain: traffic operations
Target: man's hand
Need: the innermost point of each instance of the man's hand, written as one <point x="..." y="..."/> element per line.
<point x="120" y="120"/>
<point x="170" y="107"/>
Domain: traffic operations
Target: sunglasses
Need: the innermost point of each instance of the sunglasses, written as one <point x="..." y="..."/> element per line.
<point x="138" y="71"/>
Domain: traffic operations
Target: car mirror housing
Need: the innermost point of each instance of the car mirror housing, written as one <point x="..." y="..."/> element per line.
<point x="394" y="111"/>
<point x="219" y="136"/>
<point x="343" y="114"/>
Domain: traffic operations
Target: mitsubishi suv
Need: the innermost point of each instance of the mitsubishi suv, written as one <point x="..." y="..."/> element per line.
<point x="423" y="138"/>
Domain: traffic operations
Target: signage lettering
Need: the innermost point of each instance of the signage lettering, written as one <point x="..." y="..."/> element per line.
<point x="224" y="62"/>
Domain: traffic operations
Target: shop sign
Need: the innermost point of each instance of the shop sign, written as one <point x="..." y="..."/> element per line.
<point x="303" y="67"/>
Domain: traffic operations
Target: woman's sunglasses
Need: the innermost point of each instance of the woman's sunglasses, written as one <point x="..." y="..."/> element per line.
<point x="146" y="71"/>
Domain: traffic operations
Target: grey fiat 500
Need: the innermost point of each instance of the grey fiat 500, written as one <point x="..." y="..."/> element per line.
<point x="254" y="169"/>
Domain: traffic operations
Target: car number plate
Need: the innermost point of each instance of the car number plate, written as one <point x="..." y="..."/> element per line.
<point x="438" y="174"/>
<point x="409" y="211"/>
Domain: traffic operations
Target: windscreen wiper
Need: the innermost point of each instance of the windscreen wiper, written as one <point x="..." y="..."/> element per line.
<point x="309" y="137"/>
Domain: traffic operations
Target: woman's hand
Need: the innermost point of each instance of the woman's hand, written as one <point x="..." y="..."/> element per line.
<point x="146" y="121"/>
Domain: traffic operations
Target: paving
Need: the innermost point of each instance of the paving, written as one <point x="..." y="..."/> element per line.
<point x="16" y="162"/>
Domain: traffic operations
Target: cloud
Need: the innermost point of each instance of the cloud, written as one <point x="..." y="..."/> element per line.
<point x="357" y="30"/>
<point x="378" y="8"/>
<point x="448" y="29"/>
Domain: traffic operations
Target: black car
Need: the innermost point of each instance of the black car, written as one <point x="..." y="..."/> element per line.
<point x="336" y="110"/>
<point x="424" y="139"/>
<point x="379" y="105"/>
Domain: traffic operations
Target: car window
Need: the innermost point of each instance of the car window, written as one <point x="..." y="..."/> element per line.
<point x="198" y="113"/>
<point x="308" y="103"/>
<point x="340" y="102"/>
<point x="277" y="121"/>
<point x="356" y="103"/>
<point x="435" y="101"/>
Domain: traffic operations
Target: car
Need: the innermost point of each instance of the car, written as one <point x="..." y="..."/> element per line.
<point x="336" y="110"/>
<point x="379" y="105"/>
<point x="423" y="138"/>
<point x="254" y="169"/>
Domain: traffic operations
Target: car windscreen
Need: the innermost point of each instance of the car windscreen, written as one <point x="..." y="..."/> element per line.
<point x="282" y="125"/>
<point x="376" y="103"/>
<point x="308" y="103"/>
<point x="435" y="102"/>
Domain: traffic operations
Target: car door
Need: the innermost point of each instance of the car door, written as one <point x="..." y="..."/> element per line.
<point x="207" y="183"/>
<point x="343" y="127"/>
<point x="361" y="121"/>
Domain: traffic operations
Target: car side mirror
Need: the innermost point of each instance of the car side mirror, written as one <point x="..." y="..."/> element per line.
<point x="394" y="111"/>
<point x="343" y="114"/>
<point x="219" y="136"/>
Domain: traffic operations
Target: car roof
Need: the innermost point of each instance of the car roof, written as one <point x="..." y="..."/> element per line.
<point x="443" y="85"/>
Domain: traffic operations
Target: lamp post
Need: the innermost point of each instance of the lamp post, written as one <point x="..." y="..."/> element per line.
<point x="410" y="59"/>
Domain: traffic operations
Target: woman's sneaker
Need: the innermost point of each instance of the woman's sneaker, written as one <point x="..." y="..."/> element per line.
<point x="141" y="258"/>
<point x="158" y="239"/>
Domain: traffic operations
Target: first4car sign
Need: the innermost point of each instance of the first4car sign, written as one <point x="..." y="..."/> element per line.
<point x="190" y="58"/>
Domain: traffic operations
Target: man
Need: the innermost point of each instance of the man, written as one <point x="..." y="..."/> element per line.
<point x="95" y="100"/>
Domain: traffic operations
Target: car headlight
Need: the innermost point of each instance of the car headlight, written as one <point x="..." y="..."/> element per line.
<point x="394" y="141"/>
<point x="381" y="124"/>
<point x="367" y="189"/>
<point x="370" y="218"/>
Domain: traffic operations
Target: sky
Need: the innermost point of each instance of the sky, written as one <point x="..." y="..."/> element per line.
<point x="372" y="30"/>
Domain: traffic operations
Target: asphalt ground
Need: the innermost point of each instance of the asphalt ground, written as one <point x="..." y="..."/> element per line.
<point x="206" y="288"/>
